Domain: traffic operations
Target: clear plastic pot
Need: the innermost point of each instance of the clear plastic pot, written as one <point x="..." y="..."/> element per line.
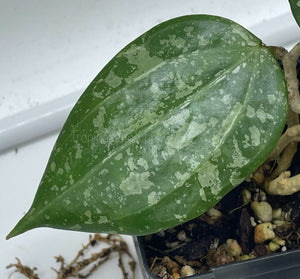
<point x="276" y="266"/>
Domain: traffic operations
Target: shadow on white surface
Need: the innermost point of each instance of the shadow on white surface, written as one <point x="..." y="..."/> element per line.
<point x="20" y="175"/>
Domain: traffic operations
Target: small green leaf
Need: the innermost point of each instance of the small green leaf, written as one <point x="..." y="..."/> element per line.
<point x="172" y="123"/>
<point x="295" y="7"/>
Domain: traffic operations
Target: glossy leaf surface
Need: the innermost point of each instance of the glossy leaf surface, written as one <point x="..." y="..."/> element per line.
<point x="295" y="7"/>
<point x="171" y="124"/>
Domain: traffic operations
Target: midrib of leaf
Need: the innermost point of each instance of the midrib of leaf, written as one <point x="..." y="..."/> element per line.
<point x="232" y="49"/>
<point x="127" y="143"/>
<point x="223" y="138"/>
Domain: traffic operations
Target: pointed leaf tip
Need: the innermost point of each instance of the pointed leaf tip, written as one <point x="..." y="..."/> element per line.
<point x="10" y="235"/>
<point x="26" y="223"/>
<point x="14" y="232"/>
<point x="17" y="230"/>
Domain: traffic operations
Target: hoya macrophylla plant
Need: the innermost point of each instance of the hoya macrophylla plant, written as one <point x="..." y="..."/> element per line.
<point x="172" y="123"/>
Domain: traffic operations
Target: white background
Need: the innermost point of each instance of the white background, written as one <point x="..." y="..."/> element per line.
<point x="49" y="49"/>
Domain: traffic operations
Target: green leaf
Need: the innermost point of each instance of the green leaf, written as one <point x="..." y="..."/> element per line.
<point x="172" y="123"/>
<point x="295" y="7"/>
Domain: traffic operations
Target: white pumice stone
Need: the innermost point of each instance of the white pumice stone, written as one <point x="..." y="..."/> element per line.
<point x="262" y="196"/>
<point x="273" y="247"/>
<point x="283" y="248"/>
<point x="252" y="221"/>
<point x="182" y="236"/>
<point x="214" y="213"/>
<point x="263" y="232"/>
<point x="279" y="241"/>
<point x="262" y="210"/>
<point x="187" y="271"/>
<point x="276" y="214"/>
<point x="233" y="247"/>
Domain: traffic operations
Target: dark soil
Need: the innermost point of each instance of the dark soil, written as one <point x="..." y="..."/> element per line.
<point x="201" y="243"/>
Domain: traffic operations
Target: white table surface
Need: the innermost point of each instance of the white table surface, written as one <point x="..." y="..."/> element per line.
<point x="49" y="49"/>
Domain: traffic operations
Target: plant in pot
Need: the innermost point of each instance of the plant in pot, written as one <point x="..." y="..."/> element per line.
<point x="173" y="123"/>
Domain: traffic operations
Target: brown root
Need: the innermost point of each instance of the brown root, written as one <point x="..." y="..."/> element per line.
<point x="289" y="62"/>
<point x="27" y="271"/>
<point x="278" y="180"/>
<point x="292" y="134"/>
<point x="284" y="184"/>
<point x="76" y="267"/>
<point x="83" y="267"/>
<point x="285" y="161"/>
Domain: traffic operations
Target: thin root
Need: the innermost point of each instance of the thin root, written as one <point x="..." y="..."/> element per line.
<point x="292" y="134"/>
<point x="24" y="269"/>
<point x="76" y="267"/>
<point x="289" y="62"/>
<point x="81" y="267"/>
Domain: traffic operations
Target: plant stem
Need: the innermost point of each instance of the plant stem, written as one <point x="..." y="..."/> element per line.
<point x="289" y="62"/>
